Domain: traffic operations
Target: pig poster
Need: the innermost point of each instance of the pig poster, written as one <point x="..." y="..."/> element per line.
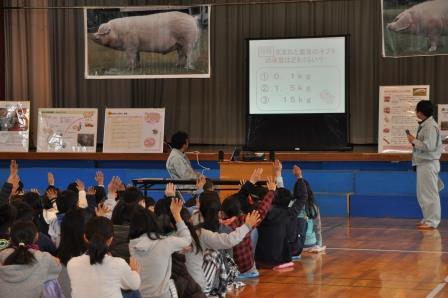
<point x="147" y="42"/>
<point x="415" y="27"/>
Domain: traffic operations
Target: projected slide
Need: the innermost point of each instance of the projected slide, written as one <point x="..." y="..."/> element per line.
<point x="297" y="76"/>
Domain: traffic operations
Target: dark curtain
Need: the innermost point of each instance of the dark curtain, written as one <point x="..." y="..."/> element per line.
<point x="213" y="110"/>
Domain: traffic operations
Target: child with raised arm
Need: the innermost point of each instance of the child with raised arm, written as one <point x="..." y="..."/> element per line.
<point x="153" y="251"/>
<point x="243" y="253"/>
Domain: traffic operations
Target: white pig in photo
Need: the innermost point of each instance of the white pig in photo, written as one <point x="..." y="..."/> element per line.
<point x="429" y="19"/>
<point x="157" y="33"/>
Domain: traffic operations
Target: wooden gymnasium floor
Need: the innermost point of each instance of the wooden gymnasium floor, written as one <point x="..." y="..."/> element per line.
<point x="366" y="257"/>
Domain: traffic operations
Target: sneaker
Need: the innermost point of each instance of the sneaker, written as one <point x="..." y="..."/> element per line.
<point x="317" y="249"/>
<point x="250" y="274"/>
<point x="425" y="227"/>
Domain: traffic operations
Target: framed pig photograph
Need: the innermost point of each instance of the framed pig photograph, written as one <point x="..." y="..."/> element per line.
<point x="415" y="27"/>
<point x="147" y="42"/>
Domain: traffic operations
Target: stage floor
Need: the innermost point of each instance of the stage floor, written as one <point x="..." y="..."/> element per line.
<point x="366" y="257"/>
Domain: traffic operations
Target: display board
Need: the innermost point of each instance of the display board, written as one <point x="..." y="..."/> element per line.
<point x="134" y="130"/>
<point x="298" y="93"/>
<point x="396" y="114"/>
<point x="297" y="75"/>
<point x="442" y="117"/>
<point x="67" y="130"/>
<point x="14" y="126"/>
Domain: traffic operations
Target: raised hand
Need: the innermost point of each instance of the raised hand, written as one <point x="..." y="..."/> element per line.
<point x="80" y="185"/>
<point x="13" y="177"/>
<point x="200" y="182"/>
<point x="242" y="182"/>
<point x="120" y="185"/>
<point x="102" y="210"/>
<point x="256" y="175"/>
<point x="13" y="168"/>
<point x="15" y="183"/>
<point x="91" y="191"/>
<point x="111" y="187"/>
<point x="278" y="168"/>
<point x="35" y="190"/>
<point x="253" y="218"/>
<point x="99" y="178"/>
<point x="50" y="179"/>
<point x="271" y="184"/>
<point x="176" y="207"/>
<point x="170" y="190"/>
<point x="52" y="194"/>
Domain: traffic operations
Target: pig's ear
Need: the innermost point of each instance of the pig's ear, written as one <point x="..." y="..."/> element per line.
<point x="404" y="20"/>
<point x="104" y="30"/>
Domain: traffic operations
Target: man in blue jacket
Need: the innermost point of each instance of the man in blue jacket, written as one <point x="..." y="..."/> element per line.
<point x="427" y="149"/>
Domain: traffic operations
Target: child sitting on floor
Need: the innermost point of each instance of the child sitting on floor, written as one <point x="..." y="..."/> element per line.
<point x="243" y="253"/>
<point x="313" y="238"/>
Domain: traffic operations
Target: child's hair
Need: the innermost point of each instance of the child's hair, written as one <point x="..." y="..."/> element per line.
<point x="149" y="202"/>
<point x="163" y="213"/>
<point x="258" y="192"/>
<point x="231" y="206"/>
<point x="208" y="186"/>
<point x="98" y="231"/>
<point x="132" y="195"/>
<point x="24" y="211"/>
<point x="72" y="236"/>
<point x="186" y="216"/>
<point x="33" y="199"/>
<point x="66" y="201"/>
<point x="73" y="187"/>
<point x="144" y="221"/>
<point x="8" y="214"/>
<point x="283" y="197"/>
<point x="162" y="206"/>
<point x="126" y="206"/>
<point x="209" y="206"/>
<point x="23" y="234"/>
<point x="310" y="205"/>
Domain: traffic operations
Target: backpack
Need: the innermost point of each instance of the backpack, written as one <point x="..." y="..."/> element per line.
<point x="220" y="270"/>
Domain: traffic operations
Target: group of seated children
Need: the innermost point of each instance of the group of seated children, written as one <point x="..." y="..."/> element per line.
<point x="116" y="242"/>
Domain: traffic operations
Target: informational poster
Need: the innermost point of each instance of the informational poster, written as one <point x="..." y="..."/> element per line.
<point x="414" y="27"/>
<point x="14" y="126"/>
<point x="147" y="42"/>
<point x="67" y="130"/>
<point x="134" y="130"/>
<point x="396" y="115"/>
<point x="442" y="116"/>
